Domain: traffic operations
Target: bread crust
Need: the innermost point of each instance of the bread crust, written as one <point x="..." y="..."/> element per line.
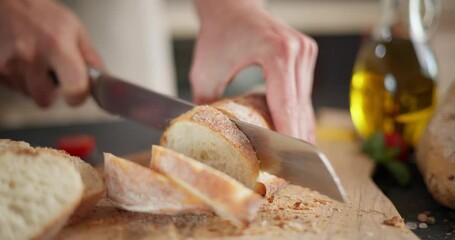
<point x="251" y="108"/>
<point x="436" y="152"/>
<point x="140" y="189"/>
<point x="257" y="102"/>
<point x="228" y="197"/>
<point x="94" y="185"/>
<point x="269" y="184"/>
<point x="223" y="127"/>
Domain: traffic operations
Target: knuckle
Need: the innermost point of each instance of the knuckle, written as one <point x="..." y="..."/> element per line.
<point x="23" y="51"/>
<point x="285" y="46"/>
<point x="57" y="36"/>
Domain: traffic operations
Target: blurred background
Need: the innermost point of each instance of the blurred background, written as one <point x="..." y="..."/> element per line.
<point x="337" y="26"/>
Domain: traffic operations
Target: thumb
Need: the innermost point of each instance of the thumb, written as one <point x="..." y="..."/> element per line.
<point x="208" y="84"/>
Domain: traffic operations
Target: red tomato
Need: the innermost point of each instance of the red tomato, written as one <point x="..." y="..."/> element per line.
<point x="396" y="140"/>
<point x="81" y="145"/>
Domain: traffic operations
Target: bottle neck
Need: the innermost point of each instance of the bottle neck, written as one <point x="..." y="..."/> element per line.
<point x="394" y="21"/>
<point x="409" y="19"/>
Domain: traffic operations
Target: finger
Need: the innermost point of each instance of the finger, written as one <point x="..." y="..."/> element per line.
<point x="89" y="53"/>
<point x="281" y="92"/>
<point x="304" y="71"/>
<point x="40" y="86"/>
<point x="208" y="84"/>
<point x="15" y="71"/>
<point x="69" y="66"/>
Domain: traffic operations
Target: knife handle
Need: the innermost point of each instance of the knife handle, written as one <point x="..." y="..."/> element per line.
<point x="93" y="74"/>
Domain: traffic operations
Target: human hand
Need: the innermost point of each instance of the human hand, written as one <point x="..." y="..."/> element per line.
<point x="37" y="37"/>
<point x="233" y="37"/>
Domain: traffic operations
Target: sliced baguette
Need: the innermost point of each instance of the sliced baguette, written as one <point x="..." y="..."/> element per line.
<point x="209" y="136"/>
<point x="251" y="108"/>
<point x="94" y="187"/>
<point x="140" y="189"/>
<point x="38" y="193"/>
<point x="229" y="198"/>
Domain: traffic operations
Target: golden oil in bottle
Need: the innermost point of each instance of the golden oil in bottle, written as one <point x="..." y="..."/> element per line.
<point x="393" y="88"/>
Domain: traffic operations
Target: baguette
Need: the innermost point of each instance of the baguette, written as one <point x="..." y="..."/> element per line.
<point x="209" y="136"/>
<point x="436" y="152"/>
<point x="251" y="108"/>
<point x="230" y="199"/>
<point x="38" y="193"/>
<point x="140" y="189"/>
<point x="94" y="187"/>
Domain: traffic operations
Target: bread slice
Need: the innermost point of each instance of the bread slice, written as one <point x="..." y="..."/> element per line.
<point x="251" y="108"/>
<point x="94" y="187"/>
<point x="93" y="182"/>
<point x="229" y="198"/>
<point x="38" y="193"/>
<point x="209" y="136"/>
<point x="436" y="152"/>
<point x="8" y="144"/>
<point x="140" y="189"/>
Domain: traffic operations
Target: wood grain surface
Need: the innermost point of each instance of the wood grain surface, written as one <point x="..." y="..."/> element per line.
<point x="294" y="213"/>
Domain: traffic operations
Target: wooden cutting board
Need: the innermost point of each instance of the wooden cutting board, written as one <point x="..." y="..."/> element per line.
<point x="294" y="213"/>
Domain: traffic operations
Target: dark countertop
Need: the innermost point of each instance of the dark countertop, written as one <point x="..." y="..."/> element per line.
<point x="123" y="137"/>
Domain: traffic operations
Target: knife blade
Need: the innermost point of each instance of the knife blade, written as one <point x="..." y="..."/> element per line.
<point x="295" y="160"/>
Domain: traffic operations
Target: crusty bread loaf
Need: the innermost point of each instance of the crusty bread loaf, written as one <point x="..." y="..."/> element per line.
<point x="251" y="108"/>
<point x="94" y="187"/>
<point x="229" y="198"/>
<point x="436" y="152"/>
<point x="140" y="189"/>
<point x="209" y="136"/>
<point x="38" y="193"/>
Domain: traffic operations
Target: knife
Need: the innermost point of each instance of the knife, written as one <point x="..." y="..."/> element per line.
<point x="295" y="160"/>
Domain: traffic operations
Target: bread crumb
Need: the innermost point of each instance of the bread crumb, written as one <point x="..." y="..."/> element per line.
<point x="263" y="223"/>
<point x="297" y="205"/>
<point x="422" y="217"/>
<point x="411" y="225"/>
<point x="395" y="221"/>
<point x="431" y="220"/>
<point x="423" y="225"/>
<point x="321" y="201"/>
<point x="296" y="226"/>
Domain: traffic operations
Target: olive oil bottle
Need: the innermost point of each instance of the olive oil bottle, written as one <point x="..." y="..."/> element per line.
<point x="393" y="86"/>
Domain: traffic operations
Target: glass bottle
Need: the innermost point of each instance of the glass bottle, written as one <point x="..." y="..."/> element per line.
<point x="393" y="86"/>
